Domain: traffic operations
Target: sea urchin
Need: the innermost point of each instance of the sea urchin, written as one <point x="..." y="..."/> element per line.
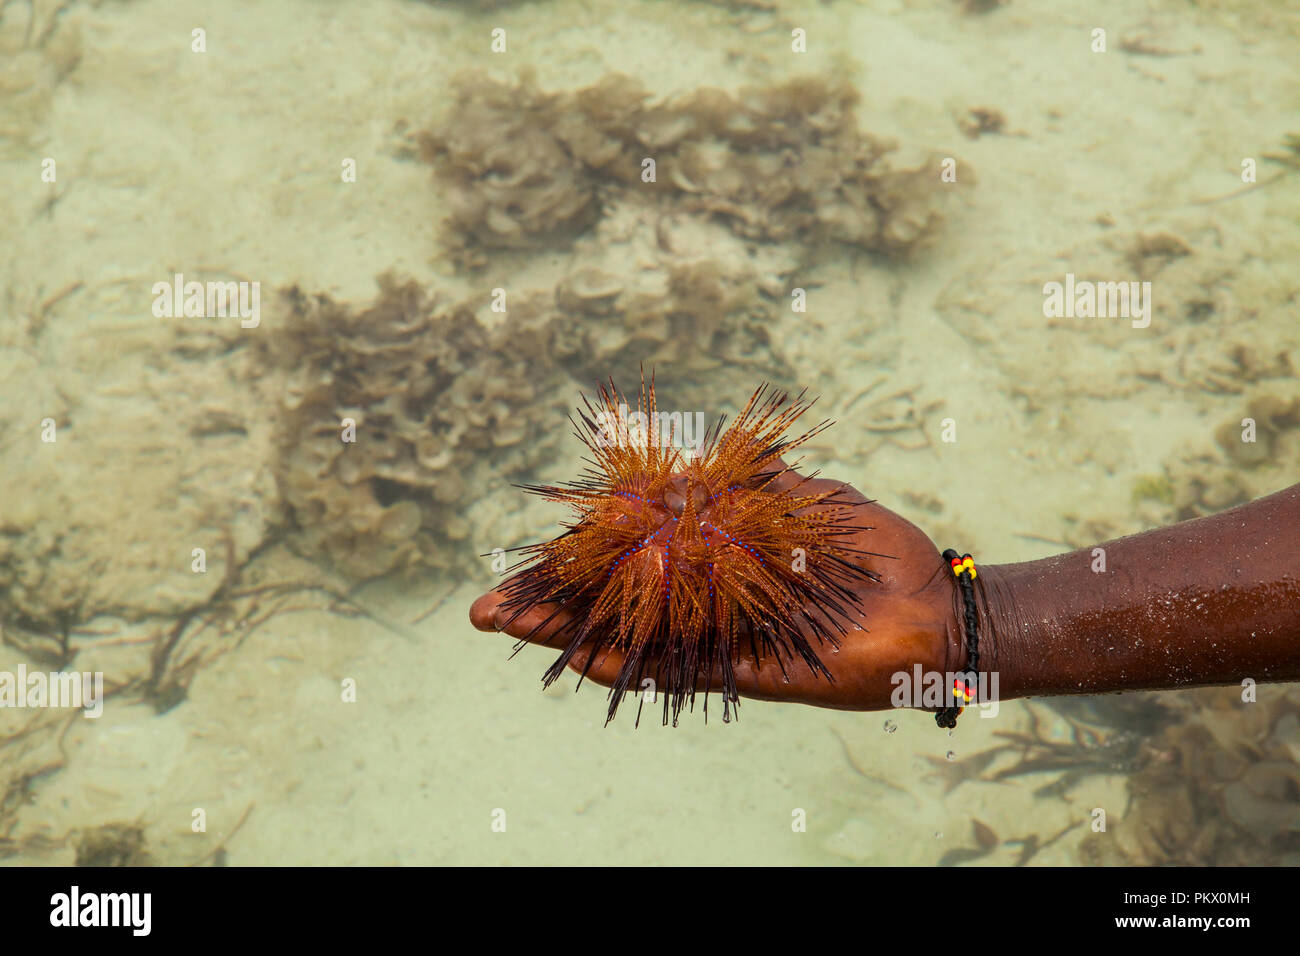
<point x="682" y="563"/>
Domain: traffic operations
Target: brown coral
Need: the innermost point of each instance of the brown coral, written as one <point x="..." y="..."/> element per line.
<point x="779" y="163"/>
<point x="433" y="395"/>
<point x="1220" y="785"/>
<point x="1274" y="417"/>
<point x="445" y="406"/>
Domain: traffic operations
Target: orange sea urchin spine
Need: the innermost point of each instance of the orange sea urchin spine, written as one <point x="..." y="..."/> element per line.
<point x="682" y="564"/>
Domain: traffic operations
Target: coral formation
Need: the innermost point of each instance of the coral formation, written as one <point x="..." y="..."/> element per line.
<point x="448" y="398"/>
<point x="1212" y="780"/>
<point x="40" y="45"/>
<point x="113" y="844"/>
<point x="683" y="272"/>
<point x="1219" y="784"/>
<point x="447" y="405"/>
<point x="1243" y="462"/>
<point x="1276" y="426"/>
<point x="435" y="397"/>
<point x="786" y="162"/>
<point x="668" y="273"/>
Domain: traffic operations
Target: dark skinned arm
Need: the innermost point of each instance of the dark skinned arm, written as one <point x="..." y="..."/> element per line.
<point x="1208" y="601"/>
<point x="1214" y="600"/>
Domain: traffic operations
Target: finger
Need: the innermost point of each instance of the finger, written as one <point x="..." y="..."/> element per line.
<point x="483" y="612"/>
<point x="537" y="625"/>
<point x="764" y="682"/>
<point x="604" y="669"/>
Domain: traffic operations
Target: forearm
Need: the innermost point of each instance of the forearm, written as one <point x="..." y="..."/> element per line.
<point x="1210" y="601"/>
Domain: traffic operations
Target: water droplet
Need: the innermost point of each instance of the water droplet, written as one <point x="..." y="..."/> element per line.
<point x="890" y="726"/>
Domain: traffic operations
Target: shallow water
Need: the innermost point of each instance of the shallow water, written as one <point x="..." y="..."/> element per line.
<point x="130" y="155"/>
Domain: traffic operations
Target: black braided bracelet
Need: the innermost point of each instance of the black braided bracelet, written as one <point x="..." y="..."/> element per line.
<point x="963" y="567"/>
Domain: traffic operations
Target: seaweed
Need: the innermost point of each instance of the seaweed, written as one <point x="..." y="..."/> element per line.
<point x="1207" y="478"/>
<point x="1089" y="751"/>
<point x="1275" y="417"/>
<point x="113" y="844"/>
<point x="40" y="46"/>
<point x="786" y="162"/>
<point x="445" y="405"/>
<point x="435" y="396"/>
<point x="1219" y="785"/>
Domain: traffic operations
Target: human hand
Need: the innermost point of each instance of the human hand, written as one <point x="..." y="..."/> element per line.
<point x="905" y="617"/>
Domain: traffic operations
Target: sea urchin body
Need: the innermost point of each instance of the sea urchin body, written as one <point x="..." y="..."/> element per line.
<point x="683" y="564"/>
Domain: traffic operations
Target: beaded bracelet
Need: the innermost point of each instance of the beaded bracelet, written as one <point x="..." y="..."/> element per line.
<point x="963" y="568"/>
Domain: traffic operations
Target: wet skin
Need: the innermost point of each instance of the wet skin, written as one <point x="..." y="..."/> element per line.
<point x="1211" y="601"/>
